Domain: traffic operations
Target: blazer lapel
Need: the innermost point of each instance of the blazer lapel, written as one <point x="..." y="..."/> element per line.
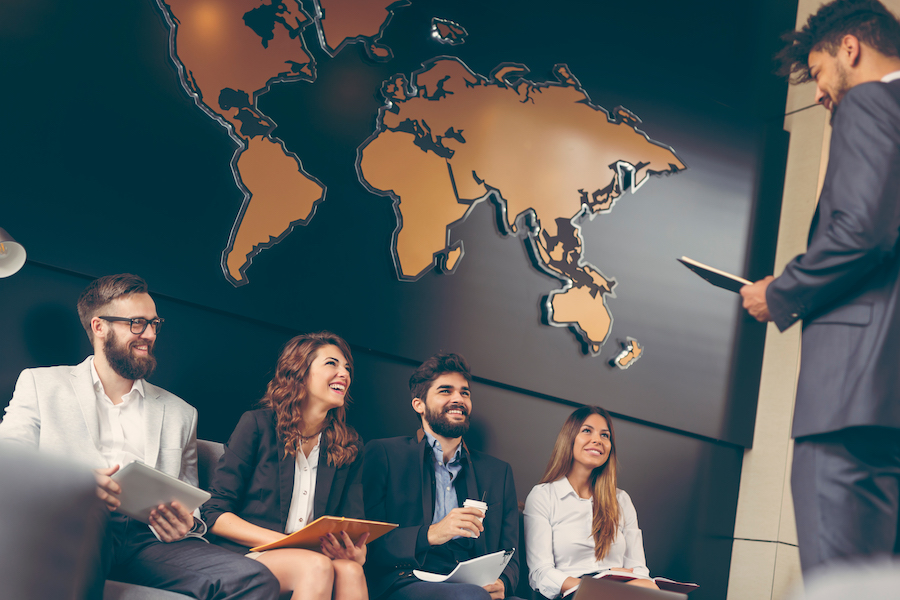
<point x="285" y="481"/>
<point x="154" y="411"/>
<point x="473" y="492"/>
<point x="83" y="387"/>
<point x="425" y="478"/>
<point x="324" y="478"/>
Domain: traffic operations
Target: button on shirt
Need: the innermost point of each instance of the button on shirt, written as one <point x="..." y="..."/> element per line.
<point x="445" y="498"/>
<point x="121" y="425"/>
<point x="303" y="497"/>
<point x="558" y="537"/>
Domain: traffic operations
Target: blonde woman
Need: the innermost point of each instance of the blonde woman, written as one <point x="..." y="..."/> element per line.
<point x="577" y="522"/>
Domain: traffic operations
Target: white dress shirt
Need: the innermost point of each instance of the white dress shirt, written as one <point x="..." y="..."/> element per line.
<point x="303" y="497"/>
<point x="891" y="76"/>
<point x="121" y="425"/>
<point x="559" y="542"/>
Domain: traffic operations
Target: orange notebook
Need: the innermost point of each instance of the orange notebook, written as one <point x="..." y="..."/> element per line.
<point x="308" y="537"/>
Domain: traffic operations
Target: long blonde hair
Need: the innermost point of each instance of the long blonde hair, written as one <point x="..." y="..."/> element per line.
<point x="287" y="392"/>
<point x="603" y="479"/>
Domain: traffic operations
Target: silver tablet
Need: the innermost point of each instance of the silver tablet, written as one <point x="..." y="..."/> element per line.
<point x="145" y="488"/>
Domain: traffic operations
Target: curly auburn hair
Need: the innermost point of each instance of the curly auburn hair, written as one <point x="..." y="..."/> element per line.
<point x="867" y="20"/>
<point x="287" y="392"/>
<point x="605" y="523"/>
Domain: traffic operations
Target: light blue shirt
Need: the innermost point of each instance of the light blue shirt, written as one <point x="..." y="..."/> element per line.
<point x="445" y="498"/>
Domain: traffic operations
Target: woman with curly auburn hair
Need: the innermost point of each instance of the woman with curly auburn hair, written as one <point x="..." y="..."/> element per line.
<point x="577" y="522"/>
<point x="291" y="462"/>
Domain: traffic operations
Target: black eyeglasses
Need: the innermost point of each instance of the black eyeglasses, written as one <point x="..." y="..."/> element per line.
<point x="138" y="325"/>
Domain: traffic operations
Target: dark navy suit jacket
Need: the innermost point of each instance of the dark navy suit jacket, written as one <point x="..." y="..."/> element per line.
<point x="399" y="490"/>
<point x="846" y="287"/>
<point x="255" y="481"/>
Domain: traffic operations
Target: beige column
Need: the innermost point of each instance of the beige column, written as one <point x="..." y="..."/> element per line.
<point x="765" y="563"/>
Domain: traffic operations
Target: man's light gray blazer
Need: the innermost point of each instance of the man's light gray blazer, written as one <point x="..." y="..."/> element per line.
<point x="54" y="409"/>
<point x="846" y="287"/>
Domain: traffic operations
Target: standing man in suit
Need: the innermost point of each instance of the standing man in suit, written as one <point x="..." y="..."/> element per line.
<point x="846" y="289"/>
<point x="422" y="483"/>
<point x="104" y="414"/>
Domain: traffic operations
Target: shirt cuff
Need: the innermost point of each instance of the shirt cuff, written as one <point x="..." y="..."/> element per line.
<point x="197" y="531"/>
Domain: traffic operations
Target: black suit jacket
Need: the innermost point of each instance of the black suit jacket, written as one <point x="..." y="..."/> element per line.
<point x="399" y="490"/>
<point x="846" y="287"/>
<point x="255" y="481"/>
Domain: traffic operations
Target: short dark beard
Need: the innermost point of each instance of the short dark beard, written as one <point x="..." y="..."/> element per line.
<point x="442" y="426"/>
<point x="842" y="88"/>
<point x="124" y="363"/>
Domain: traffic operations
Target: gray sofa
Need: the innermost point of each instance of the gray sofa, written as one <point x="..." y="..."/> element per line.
<point x="49" y="511"/>
<point x="208" y="455"/>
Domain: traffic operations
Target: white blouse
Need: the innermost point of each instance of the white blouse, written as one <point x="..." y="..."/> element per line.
<point x="303" y="497"/>
<point x="558" y="538"/>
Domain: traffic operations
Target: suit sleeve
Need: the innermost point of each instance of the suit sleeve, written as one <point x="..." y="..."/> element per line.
<point x="22" y="421"/>
<point x="860" y="229"/>
<point x="189" y="456"/>
<point x="234" y="471"/>
<point x="403" y="545"/>
<point x="509" y="537"/>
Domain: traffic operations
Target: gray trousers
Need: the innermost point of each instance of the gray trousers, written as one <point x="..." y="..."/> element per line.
<point x="846" y="488"/>
<point x="131" y="553"/>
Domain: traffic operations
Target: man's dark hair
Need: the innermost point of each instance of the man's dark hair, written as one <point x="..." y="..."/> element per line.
<point x="97" y="296"/>
<point x="867" y="20"/>
<point x="434" y="367"/>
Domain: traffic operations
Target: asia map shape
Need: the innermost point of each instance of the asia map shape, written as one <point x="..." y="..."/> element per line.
<point x="450" y="138"/>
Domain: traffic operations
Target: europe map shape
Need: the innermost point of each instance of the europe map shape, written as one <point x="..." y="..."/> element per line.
<point x="445" y="139"/>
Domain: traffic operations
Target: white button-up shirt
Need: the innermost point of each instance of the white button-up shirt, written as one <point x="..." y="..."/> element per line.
<point x="121" y="425"/>
<point x="303" y="497"/>
<point x="558" y="537"/>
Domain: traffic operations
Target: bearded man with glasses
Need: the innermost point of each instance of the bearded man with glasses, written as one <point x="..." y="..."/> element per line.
<point x="104" y="414"/>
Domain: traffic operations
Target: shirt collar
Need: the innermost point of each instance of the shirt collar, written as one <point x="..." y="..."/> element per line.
<point x="562" y="488"/>
<point x="891" y="77"/>
<point x="435" y="445"/>
<point x="137" y="384"/>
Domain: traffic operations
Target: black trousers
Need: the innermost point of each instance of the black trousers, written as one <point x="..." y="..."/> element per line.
<point x="846" y="488"/>
<point x="423" y="590"/>
<point x="131" y="553"/>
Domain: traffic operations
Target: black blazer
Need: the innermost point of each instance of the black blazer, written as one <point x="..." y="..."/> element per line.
<point x="398" y="490"/>
<point x="846" y="287"/>
<point x="254" y="481"/>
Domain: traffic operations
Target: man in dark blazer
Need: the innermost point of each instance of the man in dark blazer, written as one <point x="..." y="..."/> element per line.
<point x="846" y="290"/>
<point x="422" y="483"/>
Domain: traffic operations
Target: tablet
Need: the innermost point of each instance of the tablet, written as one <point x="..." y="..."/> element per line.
<point x="145" y="488"/>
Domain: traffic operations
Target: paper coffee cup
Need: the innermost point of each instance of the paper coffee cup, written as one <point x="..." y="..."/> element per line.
<point x="482" y="506"/>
